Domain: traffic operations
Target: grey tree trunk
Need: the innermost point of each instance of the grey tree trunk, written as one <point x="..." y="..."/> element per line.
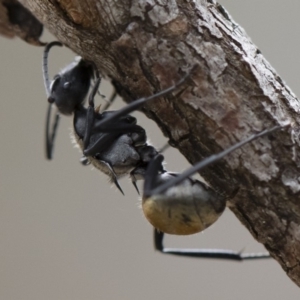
<point x="146" y="46"/>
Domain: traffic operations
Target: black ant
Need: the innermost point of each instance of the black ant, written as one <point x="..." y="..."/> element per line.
<point x="110" y="140"/>
<point x="173" y="203"/>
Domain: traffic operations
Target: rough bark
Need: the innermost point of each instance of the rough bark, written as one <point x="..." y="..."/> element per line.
<point x="16" y="20"/>
<point x="145" y="46"/>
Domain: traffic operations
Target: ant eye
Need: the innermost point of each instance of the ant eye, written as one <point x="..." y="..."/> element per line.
<point x="67" y="85"/>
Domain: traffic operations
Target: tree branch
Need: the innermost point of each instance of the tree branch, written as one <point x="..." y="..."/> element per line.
<point x="145" y="46"/>
<point x="16" y="20"/>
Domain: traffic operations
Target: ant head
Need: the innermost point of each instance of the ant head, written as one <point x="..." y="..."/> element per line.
<point x="70" y="87"/>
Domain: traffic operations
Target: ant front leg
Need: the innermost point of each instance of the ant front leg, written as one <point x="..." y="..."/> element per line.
<point x="140" y="102"/>
<point x="110" y="101"/>
<point x="116" y="122"/>
<point x="108" y="135"/>
<point x="110" y="130"/>
<point x="50" y="134"/>
<point x="90" y="115"/>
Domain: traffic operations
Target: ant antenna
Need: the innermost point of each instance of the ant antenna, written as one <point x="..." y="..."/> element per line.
<point x="45" y="65"/>
<point x="49" y="136"/>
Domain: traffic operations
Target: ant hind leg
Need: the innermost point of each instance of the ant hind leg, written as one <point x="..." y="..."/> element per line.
<point x="204" y="253"/>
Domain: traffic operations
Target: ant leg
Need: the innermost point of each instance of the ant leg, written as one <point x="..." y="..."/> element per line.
<point x="50" y="137"/>
<point x="90" y="118"/>
<point x="151" y="175"/>
<point x="112" y="132"/>
<point x="113" y="175"/>
<point x="105" y="124"/>
<point x="134" y="180"/>
<point x="140" y="102"/>
<point x="164" y="148"/>
<point x="84" y="161"/>
<point x="90" y="115"/>
<point x="204" y="163"/>
<point x="104" y="140"/>
<point x="147" y="154"/>
<point x="110" y="101"/>
<point x="99" y="93"/>
<point x="204" y="253"/>
<point x="113" y="96"/>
